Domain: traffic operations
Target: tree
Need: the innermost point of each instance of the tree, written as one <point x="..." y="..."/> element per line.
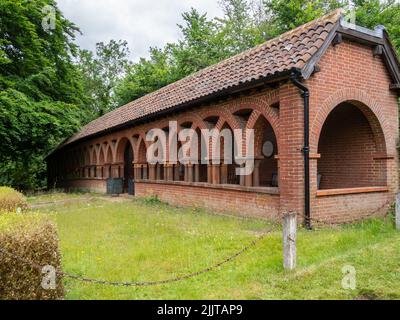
<point x="286" y="15"/>
<point x="41" y="93"/>
<point x="370" y="13"/>
<point x="101" y="73"/>
<point x="145" y="76"/>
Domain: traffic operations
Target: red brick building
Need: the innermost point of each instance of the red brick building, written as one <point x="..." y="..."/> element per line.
<point x="324" y="96"/>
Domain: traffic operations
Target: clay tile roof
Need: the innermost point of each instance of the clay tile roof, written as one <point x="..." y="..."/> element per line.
<point x="292" y="49"/>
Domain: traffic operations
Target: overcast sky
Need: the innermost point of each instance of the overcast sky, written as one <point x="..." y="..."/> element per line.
<point x="143" y="23"/>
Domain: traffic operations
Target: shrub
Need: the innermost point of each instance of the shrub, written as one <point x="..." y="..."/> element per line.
<point x="11" y="199"/>
<point x="34" y="238"/>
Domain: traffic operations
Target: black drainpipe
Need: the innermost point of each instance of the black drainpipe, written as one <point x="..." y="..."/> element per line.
<point x="294" y="77"/>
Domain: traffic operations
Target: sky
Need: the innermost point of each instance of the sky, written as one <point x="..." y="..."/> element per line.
<point x="142" y="23"/>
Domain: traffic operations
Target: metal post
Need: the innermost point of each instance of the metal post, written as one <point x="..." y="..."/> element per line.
<point x="289" y="241"/>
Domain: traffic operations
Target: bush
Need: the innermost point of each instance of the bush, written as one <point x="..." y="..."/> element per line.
<point x="11" y="200"/>
<point x="34" y="238"/>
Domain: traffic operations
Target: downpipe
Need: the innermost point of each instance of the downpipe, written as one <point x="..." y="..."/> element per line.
<point x="305" y="94"/>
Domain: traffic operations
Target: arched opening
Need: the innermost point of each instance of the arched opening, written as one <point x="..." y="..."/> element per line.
<point x="109" y="161"/>
<point x="350" y="140"/>
<point x="227" y="148"/>
<point x="179" y="168"/>
<point x="142" y="160"/>
<point x="201" y="174"/>
<point x="101" y="163"/>
<point x="128" y="164"/>
<point x="266" y="148"/>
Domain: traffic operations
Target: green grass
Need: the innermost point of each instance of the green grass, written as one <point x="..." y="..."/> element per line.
<point x="136" y="240"/>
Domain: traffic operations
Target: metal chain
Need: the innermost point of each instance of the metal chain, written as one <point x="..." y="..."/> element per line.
<point x="321" y="222"/>
<point x="141" y="283"/>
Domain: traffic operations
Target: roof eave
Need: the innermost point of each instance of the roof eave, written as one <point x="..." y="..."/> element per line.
<point x="270" y="79"/>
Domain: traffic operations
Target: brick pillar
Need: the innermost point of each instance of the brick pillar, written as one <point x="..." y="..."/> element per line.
<point x="145" y="171"/>
<point x="158" y="172"/>
<point x="196" y="172"/>
<point x="115" y="170"/>
<point x="291" y="162"/>
<point x="248" y="180"/>
<point x="189" y="173"/>
<point x="216" y="173"/>
<point x="137" y="168"/>
<point x="224" y="173"/>
<point x="152" y="172"/>
<point x="106" y="173"/>
<point x="176" y="172"/>
<point x="99" y="172"/>
<point x="169" y="172"/>
<point x="256" y="173"/>
<point x="209" y="174"/>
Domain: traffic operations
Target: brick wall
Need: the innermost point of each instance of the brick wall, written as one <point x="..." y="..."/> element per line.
<point x="223" y="199"/>
<point x="348" y="148"/>
<point x="350" y="72"/>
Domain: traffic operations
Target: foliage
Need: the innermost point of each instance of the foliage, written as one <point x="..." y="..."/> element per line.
<point x="34" y="238"/>
<point x="102" y="72"/>
<point x="11" y="200"/>
<point x="41" y="93"/>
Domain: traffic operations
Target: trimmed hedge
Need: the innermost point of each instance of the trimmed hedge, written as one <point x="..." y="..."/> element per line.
<point x="11" y="200"/>
<point x="34" y="238"/>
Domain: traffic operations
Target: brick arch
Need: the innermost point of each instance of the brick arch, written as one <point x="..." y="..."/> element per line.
<point x="97" y="149"/>
<point x="140" y="155"/>
<point x="256" y="123"/>
<point x="101" y="157"/>
<point x="348" y="155"/>
<point x="92" y="151"/>
<point x="194" y="118"/>
<point x="109" y="154"/>
<point x="263" y="106"/>
<point x="369" y="107"/>
<point x="224" y="116"/>
<point x="120" y="148"/>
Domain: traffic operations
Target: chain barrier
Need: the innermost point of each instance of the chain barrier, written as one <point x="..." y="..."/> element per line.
<point x="60" y="273"/>
<point x="252" y="244"/>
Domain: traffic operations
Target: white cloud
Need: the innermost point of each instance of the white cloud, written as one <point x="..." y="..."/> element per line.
<point x="143" y="23"/>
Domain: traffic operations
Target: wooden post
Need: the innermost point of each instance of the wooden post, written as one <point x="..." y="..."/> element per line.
<point x="398" y="211"/>
<point x="289" y="241"/>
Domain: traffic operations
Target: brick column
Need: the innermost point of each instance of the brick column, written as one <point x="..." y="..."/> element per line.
<point x="137" y="169"/>
<point x="158" y="172"/>
<point x="115" y="170"/>
<point x="107" y="170"/>
<point x="169" y="172"/>
<point x="145" y="171"/>
<point x="209" y="174"/>
<point x="98" y="171"/>
<point x="224" y="173"/>
<point x="189" y="173"/>
<point x="291" y="163"/>
<point x="256" y="173"/>
<point x="152" y="172"/>
<point x="216" y="173"/>
<point x="196" y="173"/>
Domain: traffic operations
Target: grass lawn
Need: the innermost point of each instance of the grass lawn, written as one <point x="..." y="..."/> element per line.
<point x="142" y="240"/>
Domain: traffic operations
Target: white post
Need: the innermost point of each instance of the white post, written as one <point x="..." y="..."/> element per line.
<point x="398" y="211"/>
<point x="289" y="241"/>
